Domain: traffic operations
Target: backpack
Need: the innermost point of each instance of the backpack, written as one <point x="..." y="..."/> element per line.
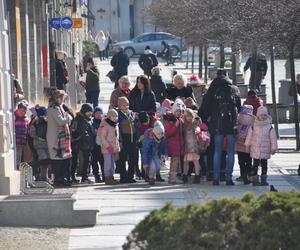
<point x="148" y="62"/>
<point x="74" y="131"/>
<point x="226" y="111"/>
<point x="41" y="128"/>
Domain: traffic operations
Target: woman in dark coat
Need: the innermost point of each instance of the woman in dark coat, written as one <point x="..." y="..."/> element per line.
<point x="141" y="97"/>
<point x="157" y="85"/>
<point x="179" y="89"/>
<point x="92" y="84"/>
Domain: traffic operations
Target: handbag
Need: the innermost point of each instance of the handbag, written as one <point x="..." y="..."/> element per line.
<point x="112" y="75"/>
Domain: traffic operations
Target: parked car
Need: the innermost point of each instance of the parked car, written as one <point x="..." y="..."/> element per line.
<point x="137" y="45"/>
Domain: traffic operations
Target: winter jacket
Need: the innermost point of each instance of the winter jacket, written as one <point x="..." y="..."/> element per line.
<point x="199" y="92"/>
<point x="146" y="103"/>
<point x="185" y="92"/>
<point x="86" y="135"/>
<point x="126" y="125"/>
<point x="262" y="141"/>
<point x="115" y="96"/>
<point x="152" y="147"/>
<point x="210" y="110"/>
<point x="39" y="143"/>
<point x="261" y="64"/>
<point x="255" y="101"/>
<point x="92" y="80"/>
<point x="174" y="138"/>
<point x="191" y="140"/>
<point x="245" y="122"/>
<point x="21" y="129"/>
<point x="61" y="74"/>
<point x="147" y="62"/>
<point x="58" y="133"/>
<point x="120" y="62"/>
<point x="158" y="87"/>
<point x="108" y="136"/>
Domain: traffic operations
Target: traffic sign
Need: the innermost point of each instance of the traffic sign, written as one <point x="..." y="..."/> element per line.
<point x="66" y="23"/>
<point x="77" y="23"/>
<point x="55" y="22"/>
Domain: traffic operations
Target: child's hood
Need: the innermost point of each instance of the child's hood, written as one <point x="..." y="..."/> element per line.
<point x="246" y="119"/>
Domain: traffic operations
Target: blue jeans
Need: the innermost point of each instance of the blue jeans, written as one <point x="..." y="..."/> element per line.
<point x="219" y="142"/>
<point x="154" y="166"/>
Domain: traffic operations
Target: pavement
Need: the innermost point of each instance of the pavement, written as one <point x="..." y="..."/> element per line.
<point x="123" y="206"/>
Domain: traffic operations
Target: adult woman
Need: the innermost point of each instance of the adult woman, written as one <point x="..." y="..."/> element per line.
<point x="141" y="97"/>
<point x="101" y="41"/>
<point x="157" y="85"/>
<point x="179" y="89"/>
<point x="120" y="91"/>
<point x="58" y="138"/>
<point x="92" y="84"/>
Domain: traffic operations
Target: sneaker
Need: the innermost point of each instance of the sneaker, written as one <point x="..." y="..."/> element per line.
<point x="159" y="179"/>
<point x="97" y="179"/>
<point x="216" y="183"/>
<point x="86" y="181"/>
<point x="230" y="183"/>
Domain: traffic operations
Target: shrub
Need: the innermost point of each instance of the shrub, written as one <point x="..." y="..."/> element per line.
<point x="271" y="221"/>
<point x="89" y="47"/>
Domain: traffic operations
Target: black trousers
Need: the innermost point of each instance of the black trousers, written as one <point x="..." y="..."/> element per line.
<point x="127" y="154"/>
<point x="92" y="97"/>
<point x="245" y="162"/>
<point x="74" y="163"/>
<point x="59" y="169"/>
<point x="97" y="158"/>
<point x="264" y="166"/>
<point x="86" y="163"/>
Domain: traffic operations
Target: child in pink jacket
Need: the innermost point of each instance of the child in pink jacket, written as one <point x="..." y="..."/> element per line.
<point x="174" y="139"/>
<point x="262" y="142"/>
<point x="108" y="139"/>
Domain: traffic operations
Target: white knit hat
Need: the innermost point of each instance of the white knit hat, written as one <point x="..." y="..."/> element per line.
<point x="158" y="129"/>
<point x="178" y="106"/>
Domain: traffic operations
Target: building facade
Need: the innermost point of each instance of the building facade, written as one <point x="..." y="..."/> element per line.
<point x="124" y="19"/>
<point x="27" y="48"/>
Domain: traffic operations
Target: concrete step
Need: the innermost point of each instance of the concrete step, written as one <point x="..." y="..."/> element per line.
<point x="55" y="210"/>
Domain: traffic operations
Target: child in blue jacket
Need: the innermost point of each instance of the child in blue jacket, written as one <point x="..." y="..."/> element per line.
<point x="154" y="147"/>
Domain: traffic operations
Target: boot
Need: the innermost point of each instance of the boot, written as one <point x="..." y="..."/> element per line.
<point x="97" y="178"/>
<point x="263" y="180"/>
<point x="255" y="180"/>
<point x="109" y="180"/>
<point x="185" y="178"/>
<point x="197" y="179"/>
<point x="246" y="180"/>
<point x="173" y="179"/>
<point x="159" y="179"/>
<point x="151" y="181"/>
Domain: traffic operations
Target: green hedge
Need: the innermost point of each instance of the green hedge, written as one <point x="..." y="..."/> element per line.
<point x="269" y="222"/>
<point x="89" y="47"/>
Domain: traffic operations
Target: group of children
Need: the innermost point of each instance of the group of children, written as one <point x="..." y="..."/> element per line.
<point x="118" y="138"/>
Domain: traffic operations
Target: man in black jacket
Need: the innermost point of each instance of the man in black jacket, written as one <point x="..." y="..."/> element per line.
<point x="120" y="63"/>
<point x="260" y="70"/>
<point x="147" y="61"/>
<point x="92" y="84"/>
<point x="219" y="109"/>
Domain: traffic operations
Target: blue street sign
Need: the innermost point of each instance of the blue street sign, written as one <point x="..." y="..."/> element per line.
<point x="66" y="22"/>
<point x="55" y="22"/>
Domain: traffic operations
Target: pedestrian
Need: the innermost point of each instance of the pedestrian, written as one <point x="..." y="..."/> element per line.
<point x="86" y="138"/>
<point x="120" y="63"/>
<point x="179" y="89"/>
<point x="101" y="42"/>
<point x="38" y="131"/>
<point x="58" y="138"/>
<point x="87" y="59"/>
<point x="109" y="43"/>
<point x="92" y="85"/>
<point x="166" y="53"/>
<point x="157" y="85"/>
<point x="147" y="61"/>
<point x="192" y="136"/>
<point x="21" y="129"/>
<point x="262" y="143"/>
<point x="128" y="141"/>
<point x="97" y="156"/>
<point x="141" y="98"/>
<point x="253" y="100"/>
<point x="61" y="71"/>
<point x="108" y="138"/>
<point x="18" y="91"/>
<point x="220" y="107"/>
<point x="199" y="89"/>
<point x="122" y="90"/>
<point x="260" y="71"/>
<point x="292" y="88"/>
<point x="245" y="122"/>
<point x="174" y="139"/>
<point x="154" y="148"/>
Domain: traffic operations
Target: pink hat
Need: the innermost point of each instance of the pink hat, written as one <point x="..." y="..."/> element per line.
<point x="195" y="80"/>
<point x="167" y="104"/>
<point x="262" y="111"/>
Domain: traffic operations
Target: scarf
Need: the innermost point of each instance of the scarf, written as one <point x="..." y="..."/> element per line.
<point x="262" y="123"/>
<point x="96" y="123"/>
<point x="111" y="123"/>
